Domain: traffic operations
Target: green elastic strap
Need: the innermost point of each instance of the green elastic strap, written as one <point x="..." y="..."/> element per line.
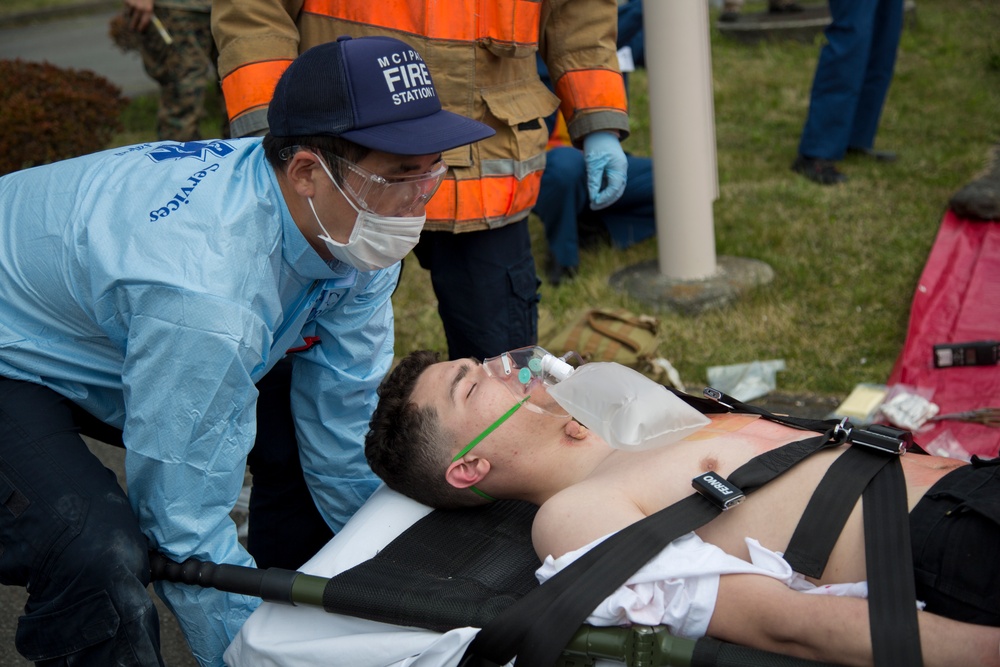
<point x="480" y="492"/>
<point x="479" y="438"/>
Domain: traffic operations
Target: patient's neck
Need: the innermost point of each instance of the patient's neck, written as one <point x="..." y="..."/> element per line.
<point x="569" y="461"/>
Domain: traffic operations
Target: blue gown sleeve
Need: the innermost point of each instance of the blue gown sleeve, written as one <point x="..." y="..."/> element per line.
<point x="190" y="422"/>
<point x="334" y="388"/>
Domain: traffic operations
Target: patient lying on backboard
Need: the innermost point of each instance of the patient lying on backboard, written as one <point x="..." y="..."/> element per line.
<point x="446" y="434"/>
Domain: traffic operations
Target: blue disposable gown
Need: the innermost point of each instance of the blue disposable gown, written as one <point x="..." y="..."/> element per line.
<point x="154" y="285"/>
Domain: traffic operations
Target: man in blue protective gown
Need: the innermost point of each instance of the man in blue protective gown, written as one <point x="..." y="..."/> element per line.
<point x="199" y="303"/>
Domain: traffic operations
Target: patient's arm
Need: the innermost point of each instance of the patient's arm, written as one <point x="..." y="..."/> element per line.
<point x="578" y="516"/>
<point x="763" y="613"/>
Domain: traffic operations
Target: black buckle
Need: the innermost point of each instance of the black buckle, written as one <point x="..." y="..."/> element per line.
<point x="721" y="492"/>
<point x="886" y="439"/>
<point x="718" y="397"/>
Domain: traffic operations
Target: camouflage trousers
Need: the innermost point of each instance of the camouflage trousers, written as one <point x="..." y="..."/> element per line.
<point x="183" y="69"/>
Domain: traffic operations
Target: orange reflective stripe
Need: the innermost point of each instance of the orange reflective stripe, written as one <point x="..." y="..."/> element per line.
<point x="560" y="134"/>
<point x="506" y="21"/>
<point x="591" y="89"/>
<point x="521" y="28"/>
<point x="251" y="86"/>
<point x="396" y="15"/>
<point x="491" y="197"/>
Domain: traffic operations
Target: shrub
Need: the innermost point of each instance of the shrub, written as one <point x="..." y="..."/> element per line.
<point x="49" y="113"/>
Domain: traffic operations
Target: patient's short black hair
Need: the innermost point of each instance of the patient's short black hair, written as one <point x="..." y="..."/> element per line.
<point x="406" y="445"/>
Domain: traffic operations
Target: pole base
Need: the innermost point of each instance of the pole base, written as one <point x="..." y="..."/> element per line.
<point x="733" y="276"/>
<point x="804" y="26"/>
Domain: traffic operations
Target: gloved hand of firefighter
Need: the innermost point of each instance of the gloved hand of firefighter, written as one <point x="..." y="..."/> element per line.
<point x="607" y="168"/>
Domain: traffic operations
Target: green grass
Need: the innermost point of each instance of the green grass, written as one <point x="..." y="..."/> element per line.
<point x="846" y="259"/>
<point x="139" y="118"/>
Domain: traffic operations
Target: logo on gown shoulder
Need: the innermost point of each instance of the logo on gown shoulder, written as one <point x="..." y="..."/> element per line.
<point x="199" y="150"/>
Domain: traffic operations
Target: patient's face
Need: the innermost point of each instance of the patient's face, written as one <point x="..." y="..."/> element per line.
<point x="467" y="401"/>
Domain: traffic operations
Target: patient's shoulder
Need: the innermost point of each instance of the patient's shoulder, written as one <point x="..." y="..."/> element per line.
<point x="580" y="514"/>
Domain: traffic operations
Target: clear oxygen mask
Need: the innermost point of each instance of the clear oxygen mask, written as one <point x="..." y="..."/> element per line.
<point x="623" y="406"/>
<point x="529" y="372"/>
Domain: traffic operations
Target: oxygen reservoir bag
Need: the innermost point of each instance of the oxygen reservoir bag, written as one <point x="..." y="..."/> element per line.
<point x="624" y="407"/>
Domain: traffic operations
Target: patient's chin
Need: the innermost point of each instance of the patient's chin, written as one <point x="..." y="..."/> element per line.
<point x="576" y="430"/>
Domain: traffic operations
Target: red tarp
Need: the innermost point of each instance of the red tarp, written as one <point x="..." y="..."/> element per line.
<point x="957" y="300"/>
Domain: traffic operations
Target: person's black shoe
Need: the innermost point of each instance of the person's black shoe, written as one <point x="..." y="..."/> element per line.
<point x="729" y="17"/>
<point x="557" y="273"/>
<point x="980" y="199"/>
<point x="784" y="8"/>
<point x="818" y="170"/>
<point x="880" y="156"/>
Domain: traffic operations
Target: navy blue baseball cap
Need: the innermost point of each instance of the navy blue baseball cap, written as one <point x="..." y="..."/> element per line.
<point x="374" y="91"/>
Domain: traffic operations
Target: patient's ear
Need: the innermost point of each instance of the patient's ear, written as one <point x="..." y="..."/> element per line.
<point x="467" y="471"/>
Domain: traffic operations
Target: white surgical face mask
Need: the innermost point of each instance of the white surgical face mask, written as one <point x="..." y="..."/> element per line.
<point x="377" y="241"/>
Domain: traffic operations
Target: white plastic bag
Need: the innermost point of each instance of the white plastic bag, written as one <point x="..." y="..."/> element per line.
<point x="745" y="382"/>
<point x="624" y="407"/>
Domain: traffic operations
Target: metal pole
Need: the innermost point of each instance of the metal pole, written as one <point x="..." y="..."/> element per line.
<point x="682" y="126"/>
<point x="271" y="584"/>
<point x="638" y="646"/>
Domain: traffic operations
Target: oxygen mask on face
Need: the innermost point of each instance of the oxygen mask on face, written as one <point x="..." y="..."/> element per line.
<point x="530" y="371"/>
<point x="623" y="406"/>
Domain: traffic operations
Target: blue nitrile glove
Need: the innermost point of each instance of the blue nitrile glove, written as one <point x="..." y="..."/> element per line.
<point x="607" y="168"/>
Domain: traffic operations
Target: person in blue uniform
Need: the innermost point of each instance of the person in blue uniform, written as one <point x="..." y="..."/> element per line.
<point x="199" y="303"/>
<point x="570" y="218"/>
<point x="849" y="88"/>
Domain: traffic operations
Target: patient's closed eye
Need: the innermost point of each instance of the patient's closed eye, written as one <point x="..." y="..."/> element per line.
<point x="463" y="370"/>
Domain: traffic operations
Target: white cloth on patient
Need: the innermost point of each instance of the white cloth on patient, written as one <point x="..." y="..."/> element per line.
<point x="679" y="586"/>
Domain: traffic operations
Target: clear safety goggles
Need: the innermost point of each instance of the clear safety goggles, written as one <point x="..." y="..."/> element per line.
<point x="526" y="376"/>
<point x="395" y="196"/>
